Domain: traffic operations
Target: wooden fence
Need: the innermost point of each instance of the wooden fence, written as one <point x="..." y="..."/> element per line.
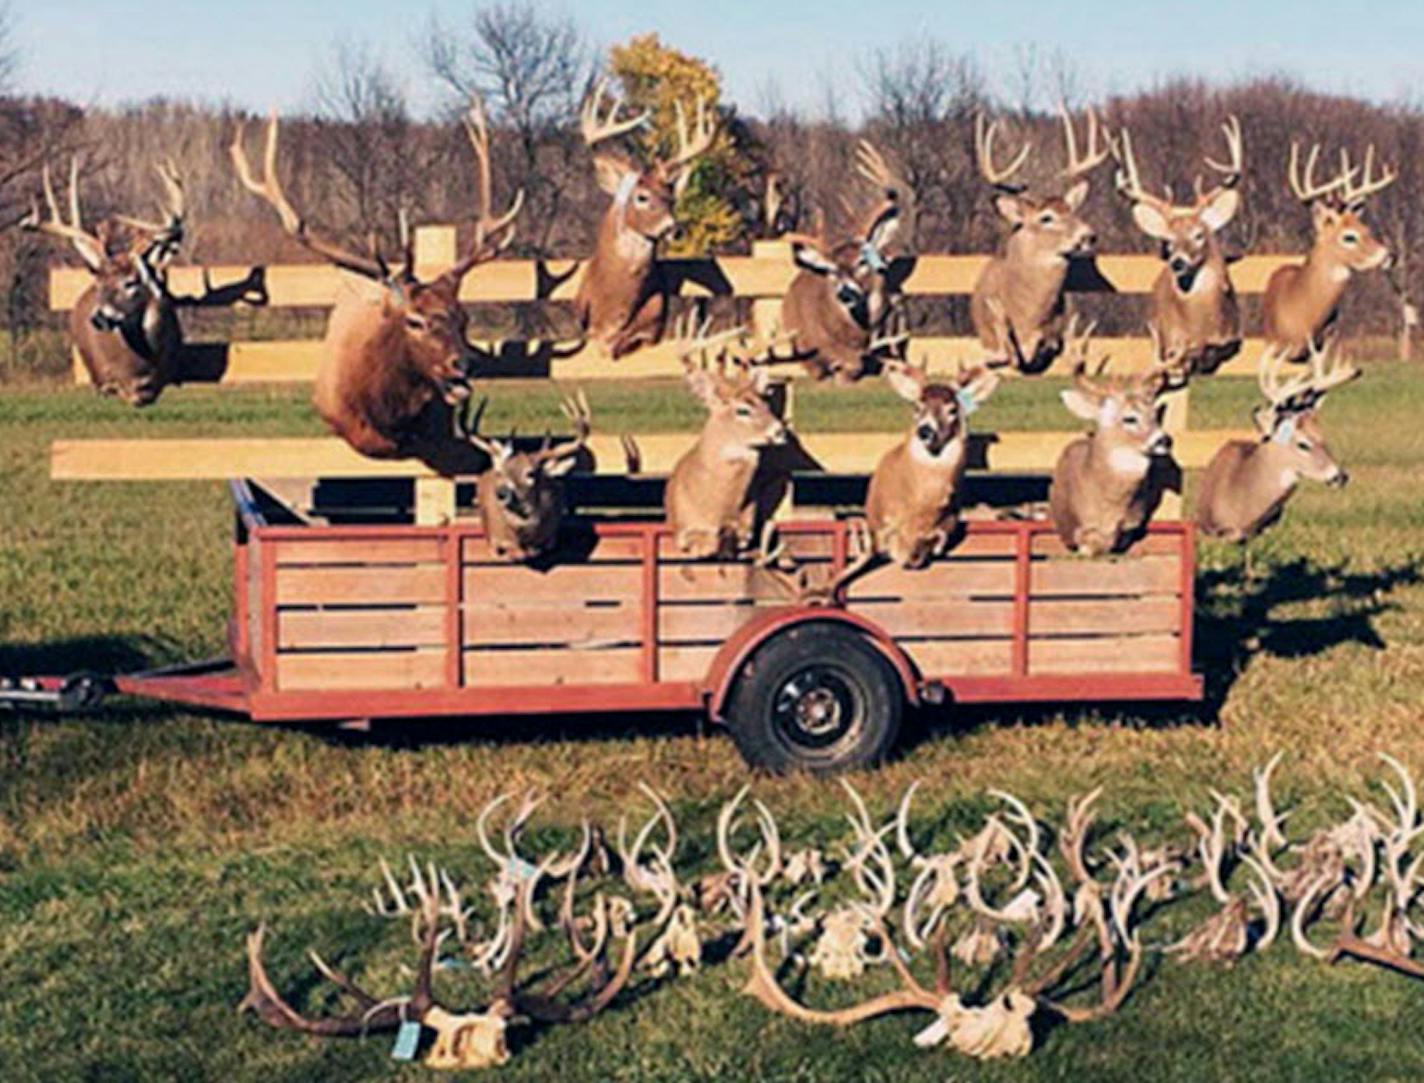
<point x="761" y="278"/>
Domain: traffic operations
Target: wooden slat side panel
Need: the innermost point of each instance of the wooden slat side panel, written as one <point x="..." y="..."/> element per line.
<point x="544" y="666"/>
<point x="708" y="582"/>
<point x="1122" y="616"/>
<point x="949" y="578"/>
<point x="596" y="584"/>
<point x="364" y="551"/>
<point x="1108" y="654"/>
<point x="422" y="584"/>
<point x="685" y="663"/>
<point x="366" y="670"/>
<point x="1145" y="575"/>
<point x="688" y="623"/>
<point x="574" y="624"/>
<point x="309" y="629"/>
<point x="808" y="546"/>
<point x="582" y="546"/>
<point x="967" y="657"/>
<point x="1048" y="544"/>
<point x="941" y="620"/>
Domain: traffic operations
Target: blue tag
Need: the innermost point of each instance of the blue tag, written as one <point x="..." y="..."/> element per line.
<point x="871" y="257"/>
<point x="967" y="405"/>
<point x="407" y="1041"/>
<point x="1285" y="431"/>
<point x="518" y="869"/>
<point x="454" y="962"/>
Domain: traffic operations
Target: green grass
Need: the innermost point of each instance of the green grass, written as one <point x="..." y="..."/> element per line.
<point x="137" y="846"/>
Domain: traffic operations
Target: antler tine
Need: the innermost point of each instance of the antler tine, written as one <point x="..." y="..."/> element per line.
<point x="1354" y="195"/>
<point x="872" y="166"/>
<point x="694" y="142"/>
<point x="1093" y="155"/>
<point x="1271" y="835"/>
<point x="985" y="132"/>
<point x="1235" y="148"/>
<point x="1128" y="178"/>
<point x="1326" y="370"/>
<point x="269" y="189"/>
<point x="89" y="247"/>
<point x="1302" y="180"/>
<point x="492" y="235"/>
<point x="597" y="128"/>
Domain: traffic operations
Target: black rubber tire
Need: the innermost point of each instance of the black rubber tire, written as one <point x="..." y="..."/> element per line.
<point x="816" y="698"/>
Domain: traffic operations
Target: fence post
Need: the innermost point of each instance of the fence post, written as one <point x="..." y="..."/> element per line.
<point x="435" y="250"/>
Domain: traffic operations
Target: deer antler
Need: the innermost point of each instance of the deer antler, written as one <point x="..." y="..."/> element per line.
<point x="998" y="177"/>
<point x="577" y="411"/>
<point x="1093" y="155"/>
<point x="492" y="234"/>
<point x="168" y="235"/>
<point x="691" y="142"/>
<point x="269" y="189"/>
<point x="597" y="126"/>
<point x="1302" y="178"/>
<point x="1353" y="194"/>
<point x="89" y="247"/>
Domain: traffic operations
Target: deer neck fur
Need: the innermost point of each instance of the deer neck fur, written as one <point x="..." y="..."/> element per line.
<point x="710" y="489"/>
<point x="1252" y="485"/>
<point x="367" y="390"/>
<point x="620" y="268"/>
<point x="1032" y="282"/>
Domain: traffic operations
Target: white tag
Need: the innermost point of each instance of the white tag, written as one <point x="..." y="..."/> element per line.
<point x="1109" y="411"/>
<point x="933" y="1034"/>
<point x="625" y="188"/>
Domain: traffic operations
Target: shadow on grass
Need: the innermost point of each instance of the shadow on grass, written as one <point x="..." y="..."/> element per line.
<point x="1235" y="619"/>
<point x="100" y="654"/>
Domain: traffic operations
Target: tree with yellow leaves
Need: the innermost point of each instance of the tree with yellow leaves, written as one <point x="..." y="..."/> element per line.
<point x="656" y="77"/>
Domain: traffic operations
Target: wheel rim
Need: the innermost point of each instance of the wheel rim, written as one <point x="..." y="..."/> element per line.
<point x="816" y="707"/>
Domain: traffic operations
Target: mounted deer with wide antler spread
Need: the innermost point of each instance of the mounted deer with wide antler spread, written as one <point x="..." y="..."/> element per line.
<point x="722" y="488"/>
<point x="1018" y="307"/>
<point x="1195" y="317"/>
<point x="1247" y="483"/>
<point x="838" y="304"/>
<point x="125" y="325"/>
<point x="1302" y="302"/>
<point x="912" y="503"/>
<point x="393" y="349"/>
<point x="521" y="496"/>
<point x="622" y="300"/>
<point x="1108" y="484"/>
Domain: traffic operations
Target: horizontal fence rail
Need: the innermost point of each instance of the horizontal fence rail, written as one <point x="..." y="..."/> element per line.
<point x="762" y="278"/>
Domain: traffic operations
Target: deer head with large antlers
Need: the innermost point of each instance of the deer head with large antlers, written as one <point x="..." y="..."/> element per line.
<point x="125" y="325"/>
<point x="715" y="495"/>
<point x="622" y="299"/>
<point x="1195" y="317"/>
<point x="1018" y="307"/>
<point x="1246" y="485"/>
<point x="521" y="496"/>
<point x="1302" y="302"/>
<point x="912" y="502"/>
<point x="838" y="304"/>
<point x="392" y="350"/>
<point x="1107" y="484"/>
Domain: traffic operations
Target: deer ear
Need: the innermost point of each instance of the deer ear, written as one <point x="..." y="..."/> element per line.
<point x="1012" y="208"/>
<point x="612" y="172"/>
<point x="1076" y="196"/>
<point x="1217" y="214"/>
<point x="886" y="228"/>
<point x="1151" y="221"/>
<point x="812" y="259"/>
<point x="1323" y="214"/>
<point x="904" y="380"/>
<point x="1081" y="404"/>
<point x="1265" y="419"/>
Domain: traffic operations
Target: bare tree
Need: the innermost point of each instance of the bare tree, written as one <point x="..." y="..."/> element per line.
<point x="9" y="49"/>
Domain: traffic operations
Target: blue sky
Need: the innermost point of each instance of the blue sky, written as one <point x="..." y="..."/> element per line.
<point x="260" y="53"/>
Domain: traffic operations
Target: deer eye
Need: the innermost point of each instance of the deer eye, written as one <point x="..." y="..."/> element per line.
<point x="1351" y="238"/>
<point x="416" y="323"/>
<point x="1047" y="218"/>
<point x="641" y="199"/>
<point x="1304" y="445"/>
<point x="744" y="412"/>
<point x="1131" y="419"/>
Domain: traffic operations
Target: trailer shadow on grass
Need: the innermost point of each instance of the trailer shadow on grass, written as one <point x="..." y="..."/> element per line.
<point x="1237" y="618"/>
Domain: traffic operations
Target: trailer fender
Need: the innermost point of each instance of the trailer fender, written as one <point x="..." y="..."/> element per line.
<point x="750" y="637"/>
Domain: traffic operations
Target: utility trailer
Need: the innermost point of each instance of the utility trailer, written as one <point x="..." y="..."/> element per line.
<point x="345" y="623"/>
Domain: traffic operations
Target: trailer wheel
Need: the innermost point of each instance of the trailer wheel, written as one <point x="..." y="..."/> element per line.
<point x="817" y="698"/>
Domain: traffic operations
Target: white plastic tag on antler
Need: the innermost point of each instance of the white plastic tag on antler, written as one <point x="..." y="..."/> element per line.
<point x="407" y="1041"/>
<point x="933" y="1034"/>
<point x="1023" y="906"/>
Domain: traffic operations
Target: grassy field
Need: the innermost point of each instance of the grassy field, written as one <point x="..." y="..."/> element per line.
<point x="137" y="847"/>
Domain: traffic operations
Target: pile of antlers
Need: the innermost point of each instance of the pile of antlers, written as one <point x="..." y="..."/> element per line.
<point x="1015" y="921"/>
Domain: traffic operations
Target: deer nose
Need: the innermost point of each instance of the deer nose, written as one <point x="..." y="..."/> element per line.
<point x="1179" y="264"/>
<point x="1161" y="444"/>
<point x="1339" y="480"/>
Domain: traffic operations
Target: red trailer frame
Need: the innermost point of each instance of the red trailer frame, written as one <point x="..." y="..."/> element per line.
<point x="1015" y="620"/>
